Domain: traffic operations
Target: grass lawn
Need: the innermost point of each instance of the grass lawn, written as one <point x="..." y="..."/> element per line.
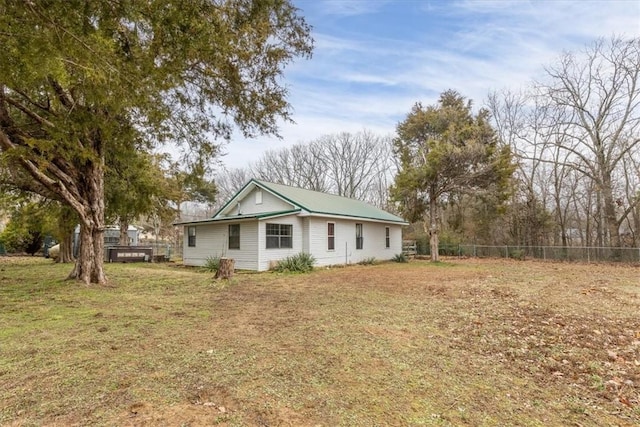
<point x="465" y="342"/>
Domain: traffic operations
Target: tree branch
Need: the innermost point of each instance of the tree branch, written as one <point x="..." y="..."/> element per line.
<point x="46" y="108"/>
<point x="65" y="99"/>
<point x="35" y="116"/>
<point x="37" y="174"/>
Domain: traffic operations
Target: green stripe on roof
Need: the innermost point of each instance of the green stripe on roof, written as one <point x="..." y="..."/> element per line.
<point x="328" y="204"/>
<point x="270" y="214"/>
<point x="259" y="215"/>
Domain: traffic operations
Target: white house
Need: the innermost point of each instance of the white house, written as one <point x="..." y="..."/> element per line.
<point x="266" y="222"/>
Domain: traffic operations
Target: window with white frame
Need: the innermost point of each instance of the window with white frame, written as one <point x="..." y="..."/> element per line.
<point x="258" y="196"/>
<point x="279" y="236"/>
<point x="331" y="236"/>
<point x="191" y="233"/>
<point x="387" y="238"/>
<point x="359" y="237"/>
<point x="234" y="236"/>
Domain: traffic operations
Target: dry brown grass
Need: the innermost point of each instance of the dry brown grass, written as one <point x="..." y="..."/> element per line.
<point x="465" y="342"/>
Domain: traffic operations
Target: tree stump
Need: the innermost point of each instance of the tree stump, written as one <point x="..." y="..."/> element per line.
<point x="225" y="269"/>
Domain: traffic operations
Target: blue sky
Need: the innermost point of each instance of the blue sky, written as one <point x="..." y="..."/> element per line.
<point x="374" y="59"/>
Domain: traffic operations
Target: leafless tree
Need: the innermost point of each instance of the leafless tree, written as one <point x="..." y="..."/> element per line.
<point x="576" y="137"/>
<point x="359" y="166"/>
<point x="517" y="118"/>
<point x="596" y="96"/>
<point x="311" y="166"/>
<point x="229" y="182"/>
<point x="301" y="165"/>
<point x="630" y="200"/>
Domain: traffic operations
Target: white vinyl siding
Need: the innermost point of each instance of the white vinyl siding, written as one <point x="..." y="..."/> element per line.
<point x="269" y="203"/>
<point x="305" y="235"/>
<point x="213" y="241"/>
<point x="345" y="252"/>
<point x="309" y="234"/>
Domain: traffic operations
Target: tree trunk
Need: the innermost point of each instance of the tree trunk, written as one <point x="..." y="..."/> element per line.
<point x="609" y="208"/>
<point x="589" y="219"/>
<point x="124" y="232"/>
<point x="433" y="224"/>
<point x="225" y="269"/>
<point x="67" y="224"/>
<point x="635" y="229"/>
<point x="178" y="230"/>
<point x="89" y="266"/>
<point x="600" y="240"/>
<point x="66" y="249"/>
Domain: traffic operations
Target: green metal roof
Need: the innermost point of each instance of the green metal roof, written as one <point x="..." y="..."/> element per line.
<point x="240" y="217"/>
<point x="328" y="204"/>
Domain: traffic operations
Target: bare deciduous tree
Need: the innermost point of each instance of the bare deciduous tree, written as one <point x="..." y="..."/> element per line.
<point x="359" y="166"/>
<point x="597" y="99"/>
<point x="353" y="161"/>
<point x="229" y="182"/>
<point x="575" y="135"/>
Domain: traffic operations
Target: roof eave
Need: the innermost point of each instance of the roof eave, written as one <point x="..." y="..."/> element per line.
<point x="250" y="217"/>
<point x="364" y="218"/>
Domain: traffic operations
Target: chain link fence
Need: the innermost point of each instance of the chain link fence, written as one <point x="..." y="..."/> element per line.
<point x="164" y="251"/>
<point x="557" y="253"/>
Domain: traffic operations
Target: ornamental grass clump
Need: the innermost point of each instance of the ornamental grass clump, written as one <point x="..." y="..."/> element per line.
<point x="212" y="264"/>
<point x="401" y="257"/>
<point x="299" y="263"/>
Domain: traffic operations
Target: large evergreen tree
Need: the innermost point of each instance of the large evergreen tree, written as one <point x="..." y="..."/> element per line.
<point x="444" y="150"/>
<point x="131" y="186"/>
<point x="80" y="78"/>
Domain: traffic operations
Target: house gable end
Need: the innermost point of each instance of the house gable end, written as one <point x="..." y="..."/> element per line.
<point x="227" y="206"/>
<point x="254" y="198"/>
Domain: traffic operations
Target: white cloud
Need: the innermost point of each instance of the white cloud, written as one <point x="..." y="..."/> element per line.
<point x="349" y="7"/>
<point x="357" y="77"/>
<point x="363" y="77"/>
